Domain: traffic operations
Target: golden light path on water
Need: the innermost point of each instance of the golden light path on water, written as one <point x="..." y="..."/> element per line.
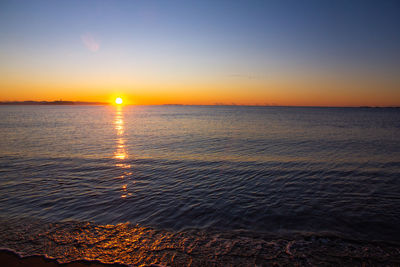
<point x="120" y="153"/>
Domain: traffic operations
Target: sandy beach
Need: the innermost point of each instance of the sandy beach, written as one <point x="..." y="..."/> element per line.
<point x="8" y="258"/>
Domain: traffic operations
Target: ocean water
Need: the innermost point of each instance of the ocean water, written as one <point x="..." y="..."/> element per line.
<point x="200" y="184"/>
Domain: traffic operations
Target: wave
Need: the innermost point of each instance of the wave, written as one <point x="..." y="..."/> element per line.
<point x="356" y="199"/>
<point x="136" y="245"/>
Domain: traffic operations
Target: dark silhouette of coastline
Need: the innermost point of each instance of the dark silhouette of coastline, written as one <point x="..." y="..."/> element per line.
<point x="58" y="102"/>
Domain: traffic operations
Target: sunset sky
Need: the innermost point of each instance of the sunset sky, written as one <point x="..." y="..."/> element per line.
<point x="325" y="53"/>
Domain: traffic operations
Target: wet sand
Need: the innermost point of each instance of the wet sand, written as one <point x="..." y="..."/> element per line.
<point x="8" y="258"/>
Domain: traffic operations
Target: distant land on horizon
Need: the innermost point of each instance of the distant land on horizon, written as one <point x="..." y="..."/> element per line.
<point x="61" y="102"/>
<point x="57" y="102"/>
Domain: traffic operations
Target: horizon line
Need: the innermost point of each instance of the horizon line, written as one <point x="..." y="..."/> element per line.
<point x="82" y="103"/>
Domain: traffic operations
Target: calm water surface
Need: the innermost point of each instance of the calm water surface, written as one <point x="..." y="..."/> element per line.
<point x="274" y="170"/>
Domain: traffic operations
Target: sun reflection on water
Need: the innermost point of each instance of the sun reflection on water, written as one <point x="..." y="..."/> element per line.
<point x="120" y="153"/>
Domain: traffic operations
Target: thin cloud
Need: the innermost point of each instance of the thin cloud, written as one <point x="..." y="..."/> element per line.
<point x="244" y="76"/>
<point x="90" y="43"/>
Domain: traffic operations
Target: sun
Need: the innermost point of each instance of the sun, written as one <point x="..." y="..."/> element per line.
<point x="118" y="101"/>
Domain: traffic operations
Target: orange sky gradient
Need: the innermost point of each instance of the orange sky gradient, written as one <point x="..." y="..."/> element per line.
<point x="241" y="91"/>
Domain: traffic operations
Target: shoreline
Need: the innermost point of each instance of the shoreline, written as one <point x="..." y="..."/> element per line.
<point x="10" y="258"/>
<point x="90" y="244"/>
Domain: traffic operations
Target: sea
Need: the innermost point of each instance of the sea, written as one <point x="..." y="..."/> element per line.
<point x="201" y="185"/>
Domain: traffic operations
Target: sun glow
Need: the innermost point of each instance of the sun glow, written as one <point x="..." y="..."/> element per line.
<point x="118" y="101"/>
